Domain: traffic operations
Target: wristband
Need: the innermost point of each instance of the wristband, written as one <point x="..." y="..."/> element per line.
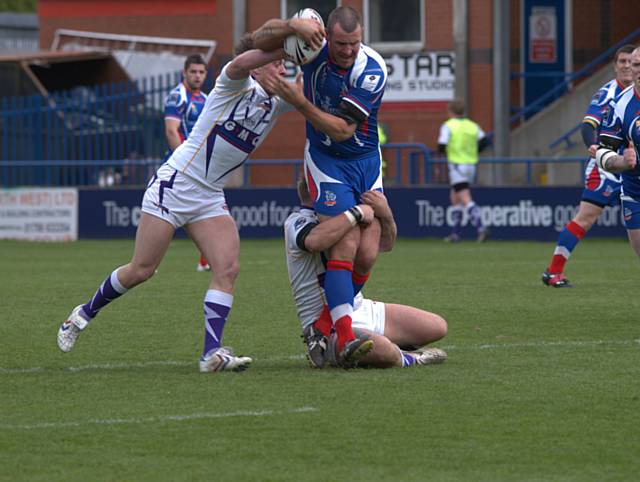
<point x="357" y="213"/>
<point x="603" y="156"/>
<point x="351" y="217"/>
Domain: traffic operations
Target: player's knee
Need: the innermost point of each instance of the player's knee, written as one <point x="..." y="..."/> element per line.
<point x="440" y="327"/>
<point x="140" y="274"/>
<point x="228" y="272"/>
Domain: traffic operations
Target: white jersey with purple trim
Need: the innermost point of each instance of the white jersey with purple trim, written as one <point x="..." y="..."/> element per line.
<point x="306" y="269"/>
<point x="236" y="118"/>
<point x="361" y="86"/>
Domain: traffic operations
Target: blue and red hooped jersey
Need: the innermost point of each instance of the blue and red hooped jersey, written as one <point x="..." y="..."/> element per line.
<point x="361" y="87"/>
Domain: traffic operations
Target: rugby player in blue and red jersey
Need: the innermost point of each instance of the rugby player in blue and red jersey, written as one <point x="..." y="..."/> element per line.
<point x="182" y="107"/>
<point x="624" y="130"/>
<point x="340" y="99"/>
<point x="602" y="188"/>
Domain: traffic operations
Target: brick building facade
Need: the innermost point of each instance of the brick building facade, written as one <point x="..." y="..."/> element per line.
<point x="596" y="25"/>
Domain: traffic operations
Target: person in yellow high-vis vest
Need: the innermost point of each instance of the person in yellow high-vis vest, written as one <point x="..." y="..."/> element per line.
<point x="461" y="140"/>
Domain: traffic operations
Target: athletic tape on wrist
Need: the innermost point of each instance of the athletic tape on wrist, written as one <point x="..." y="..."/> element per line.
<point x="351" y="217"/>
<point x="603" y="156"/>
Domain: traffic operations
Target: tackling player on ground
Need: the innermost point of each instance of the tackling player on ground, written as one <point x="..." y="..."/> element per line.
<point x="389" y="325"/>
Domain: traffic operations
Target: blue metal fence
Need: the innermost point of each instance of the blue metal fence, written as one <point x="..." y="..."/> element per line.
<point x="120" y="121"/>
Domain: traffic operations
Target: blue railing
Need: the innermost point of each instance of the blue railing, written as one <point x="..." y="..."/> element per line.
<point x="418" y="169"/>
<point x="110" y="121"/>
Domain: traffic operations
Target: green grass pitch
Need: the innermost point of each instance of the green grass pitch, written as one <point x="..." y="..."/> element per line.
<point x="541" y="384"/>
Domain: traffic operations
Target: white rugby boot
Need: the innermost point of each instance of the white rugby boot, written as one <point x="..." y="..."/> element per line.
<point x="70" y="330"/>
<point x="429" y="356"/>
<point x="222" y="359"/>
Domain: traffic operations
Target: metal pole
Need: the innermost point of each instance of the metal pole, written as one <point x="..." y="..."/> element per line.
<point x="239" y="19"/>
<point x="461" y="45"/>
<point x="501" y="95"/>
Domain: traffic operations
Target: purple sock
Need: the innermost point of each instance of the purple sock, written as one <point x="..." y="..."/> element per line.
<point x="217" y="305"/>
<point x="475" y="216"/>
<point x="407" y="359"/>
<point x="456" y="219"/>
<point x="109" y="290"/>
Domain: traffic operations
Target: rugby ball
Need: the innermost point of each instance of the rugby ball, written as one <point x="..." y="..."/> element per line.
<point x="296" y="49"/>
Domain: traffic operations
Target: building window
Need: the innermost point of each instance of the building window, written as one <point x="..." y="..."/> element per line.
<point x="323" y="7"/>
<point x="391" y="25"/>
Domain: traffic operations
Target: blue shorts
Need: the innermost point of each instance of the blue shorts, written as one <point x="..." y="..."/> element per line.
<point x="630" y="214"/>
<point x="336" y="184"/>
<point x="600" y="188"/>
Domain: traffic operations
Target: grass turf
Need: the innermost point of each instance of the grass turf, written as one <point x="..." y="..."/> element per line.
<point x="541" y="384"/>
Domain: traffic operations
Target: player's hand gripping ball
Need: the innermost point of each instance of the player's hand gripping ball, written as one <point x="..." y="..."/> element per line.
<point x="295" y="48"/>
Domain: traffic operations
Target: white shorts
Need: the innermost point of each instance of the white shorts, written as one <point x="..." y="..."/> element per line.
<point x="459" y="173"/>
<point x="369" y="316"/>
<point x="177" y="199"/>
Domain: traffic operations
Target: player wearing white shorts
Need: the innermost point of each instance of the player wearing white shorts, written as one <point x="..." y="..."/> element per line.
<point x="391" y="326"/>
<point x="187" y="192"/>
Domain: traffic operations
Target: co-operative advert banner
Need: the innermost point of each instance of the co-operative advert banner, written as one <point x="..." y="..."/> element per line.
<point x="39" y="214"/>
<point x="510" y="213"/>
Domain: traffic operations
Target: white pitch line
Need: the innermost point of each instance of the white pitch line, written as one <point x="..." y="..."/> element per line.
<point x="161" y="419"/>
<point x="160" y="363"/>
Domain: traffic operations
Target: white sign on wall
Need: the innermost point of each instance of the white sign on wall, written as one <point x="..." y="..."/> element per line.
<point x="420" y="77"/>
<point x="39" y="214"/>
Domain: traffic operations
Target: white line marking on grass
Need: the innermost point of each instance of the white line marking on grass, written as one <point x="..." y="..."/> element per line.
<point x="163" y="419"/>
<point x="161" y="363"/>
<point x="543" y="344"/>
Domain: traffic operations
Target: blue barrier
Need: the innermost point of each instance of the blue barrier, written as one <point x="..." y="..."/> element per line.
<point x="510" y="213"/>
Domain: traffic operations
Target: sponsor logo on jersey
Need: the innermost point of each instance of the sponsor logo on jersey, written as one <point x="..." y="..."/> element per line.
<point x="370" y="82"/>
<point x="329" y="198"/>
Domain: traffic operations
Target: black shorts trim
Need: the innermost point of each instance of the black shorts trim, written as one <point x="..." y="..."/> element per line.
<point x="595" y="203"/>
<point x="461" y="186"/>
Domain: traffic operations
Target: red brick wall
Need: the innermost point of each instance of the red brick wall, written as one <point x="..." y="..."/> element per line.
<point x="596" y="25"/>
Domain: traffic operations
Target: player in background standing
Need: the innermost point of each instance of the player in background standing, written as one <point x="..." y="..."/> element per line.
<point x="182" y="107"/>
<point x="623" y="128"/>
<point x="461" y="140"/>
<point x="389" y="325"/>
<point x="343" y="88"/>
<point x="187" y="191"/>
<point x="601" y="188"/>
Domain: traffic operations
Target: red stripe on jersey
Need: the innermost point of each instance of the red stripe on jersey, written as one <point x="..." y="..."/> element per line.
<point x="311" y="186"/>
<point x="594" y="179"/>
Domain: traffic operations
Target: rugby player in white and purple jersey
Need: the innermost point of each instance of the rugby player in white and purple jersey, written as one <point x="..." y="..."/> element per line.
<point x="342" y="93"/>
<point x="389" y="325"/>
<point x="187" y="192"/>
<point x="623" y="129"/>
<point x="601" y="188"/>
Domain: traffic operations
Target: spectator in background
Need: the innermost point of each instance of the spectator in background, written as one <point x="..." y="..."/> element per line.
<point x="601" y="188"/>
<point x="182" y="107"/>
<point x="461" y="140"/>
